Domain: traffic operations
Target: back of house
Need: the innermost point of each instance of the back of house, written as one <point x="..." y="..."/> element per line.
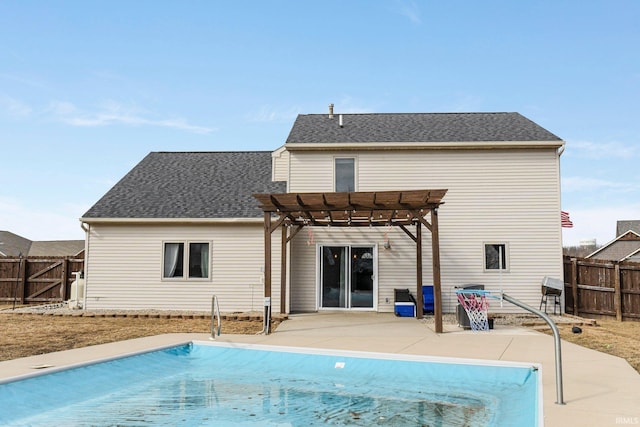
<point x="181" y="227"/>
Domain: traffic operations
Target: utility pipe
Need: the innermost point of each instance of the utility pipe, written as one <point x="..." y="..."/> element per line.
<point x="86" y="227"/>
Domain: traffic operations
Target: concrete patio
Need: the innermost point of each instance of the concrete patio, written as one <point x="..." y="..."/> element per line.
<point x="599" y="390"/>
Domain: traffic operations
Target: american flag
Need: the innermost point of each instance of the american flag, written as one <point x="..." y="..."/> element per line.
<point x="564" y="219"/>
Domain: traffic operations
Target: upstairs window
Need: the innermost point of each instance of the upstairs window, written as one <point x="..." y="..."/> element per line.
<point x="495" y="256"/>
<point x="192" y="264"/>
<point x="345" y="174"/>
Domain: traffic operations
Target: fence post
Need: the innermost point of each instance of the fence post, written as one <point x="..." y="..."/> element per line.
<point x="574" y="284"/>
<point x="63" y="279"/>
<point x="617" y="295"/>
<point x="22" y="280"/>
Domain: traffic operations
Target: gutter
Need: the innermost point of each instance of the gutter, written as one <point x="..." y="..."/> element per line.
<point x="172" y="220"/>
<point x="383" y="146"/>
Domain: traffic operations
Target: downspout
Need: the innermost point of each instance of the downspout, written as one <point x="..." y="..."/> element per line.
<point x="87" y="231"/>
<point x="559" y="152"/>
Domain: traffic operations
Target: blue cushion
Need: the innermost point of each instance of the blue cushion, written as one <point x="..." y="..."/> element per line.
<point x="427" y="298"/>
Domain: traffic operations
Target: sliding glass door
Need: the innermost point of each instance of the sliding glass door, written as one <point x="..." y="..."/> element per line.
<point x="347" y="275"/>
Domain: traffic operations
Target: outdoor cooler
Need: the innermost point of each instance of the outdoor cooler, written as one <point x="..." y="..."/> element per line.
<point x="404" y="303"/>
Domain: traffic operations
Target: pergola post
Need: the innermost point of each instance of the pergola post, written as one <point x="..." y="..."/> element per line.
<point x="267" y="272"/>
<point x="283" y="269"/>
<point x="419" y="308"/>
<point x="435" y="259"/>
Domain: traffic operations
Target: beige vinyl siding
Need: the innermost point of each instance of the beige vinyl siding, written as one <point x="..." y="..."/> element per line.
<point x="280" y="164"/>
<point x="125" y="268"/>
<point x="494" y="196"/>
<point x="398" y="263"/>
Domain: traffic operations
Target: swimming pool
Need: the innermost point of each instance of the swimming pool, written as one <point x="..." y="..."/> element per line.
<point x="220" y="384"/>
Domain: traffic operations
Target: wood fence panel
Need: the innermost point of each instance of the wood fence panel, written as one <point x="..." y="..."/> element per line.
<point x="604" y="288"/>
<point x="630" y="290"/>
<point x="595" y="288"/>
<point x="43" y="281"/>
<point x="568" y="286"/>
<point x="37" y="279"/>
<point x="9" y="276"/>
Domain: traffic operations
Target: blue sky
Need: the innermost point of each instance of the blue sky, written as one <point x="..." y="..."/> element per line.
<point x="87" y="89"/>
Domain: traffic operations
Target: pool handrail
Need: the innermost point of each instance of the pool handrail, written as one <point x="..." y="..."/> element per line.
<point x="215" y="312"/>
<point x="556" y="339"/>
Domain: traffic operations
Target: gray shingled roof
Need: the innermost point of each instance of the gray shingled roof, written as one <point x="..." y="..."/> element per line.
<point x="191" y="185"/>
<point x="617" y="250"/>
<point x="13" y="245"/>
<point x="626" y="225"/>
<point x="56" y="248"/>
<point x="417" y="127"/>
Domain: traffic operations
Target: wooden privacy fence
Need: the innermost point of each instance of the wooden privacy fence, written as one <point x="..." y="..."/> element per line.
<point x="606" y="288"/>
<point x="37" y="280"/>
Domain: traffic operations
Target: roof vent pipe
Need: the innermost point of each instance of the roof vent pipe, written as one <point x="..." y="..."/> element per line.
<point x="331" y="111"/>
<point x="340" y="120"/>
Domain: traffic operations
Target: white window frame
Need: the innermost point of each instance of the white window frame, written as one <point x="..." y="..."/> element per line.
<point x="506" y="267"/>
<point x="185" y="261"/>
<point x="355" y="171"/>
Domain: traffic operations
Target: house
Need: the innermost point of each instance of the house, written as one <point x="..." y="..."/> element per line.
<point x="625" y="247"/>
<point x="627" y="225"/>
<point x="13" y="245"/>
<point x="181" y="227"/>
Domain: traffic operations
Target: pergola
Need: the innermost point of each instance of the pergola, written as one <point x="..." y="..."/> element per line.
<point x="402" y="209"/>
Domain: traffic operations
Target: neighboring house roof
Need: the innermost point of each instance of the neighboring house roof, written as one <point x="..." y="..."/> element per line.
<point x="620" y="248"/>
<point x="191" y="185"/>
<point x="56" y="248"/>
<point x="416" y="127"/>
<point x="624" y="226"/>
<point x="13" y="245"/>
<point x="634" y="256"/>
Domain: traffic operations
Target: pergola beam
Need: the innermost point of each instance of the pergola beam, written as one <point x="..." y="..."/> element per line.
<point x="408" y="233"/>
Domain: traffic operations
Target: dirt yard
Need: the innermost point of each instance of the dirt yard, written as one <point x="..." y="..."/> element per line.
<point x="27" y="335"/>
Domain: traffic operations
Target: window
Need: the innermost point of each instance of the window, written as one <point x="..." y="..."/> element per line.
<point x="173" y="260"/>
<point x="199" y="260"/>
<point x="495" y="256"/>
<point x="194" y="263"/>
<point x="345" y="174"/>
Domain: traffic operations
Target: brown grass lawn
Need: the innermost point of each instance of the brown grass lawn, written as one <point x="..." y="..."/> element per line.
<point x="620" y="339"/>
<point x="27" y="335"/>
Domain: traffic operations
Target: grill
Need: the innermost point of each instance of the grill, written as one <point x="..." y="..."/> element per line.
<point x="551" y="288"/>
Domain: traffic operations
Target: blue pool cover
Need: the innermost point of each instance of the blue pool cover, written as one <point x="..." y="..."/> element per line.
<point x="219" y="385"/>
